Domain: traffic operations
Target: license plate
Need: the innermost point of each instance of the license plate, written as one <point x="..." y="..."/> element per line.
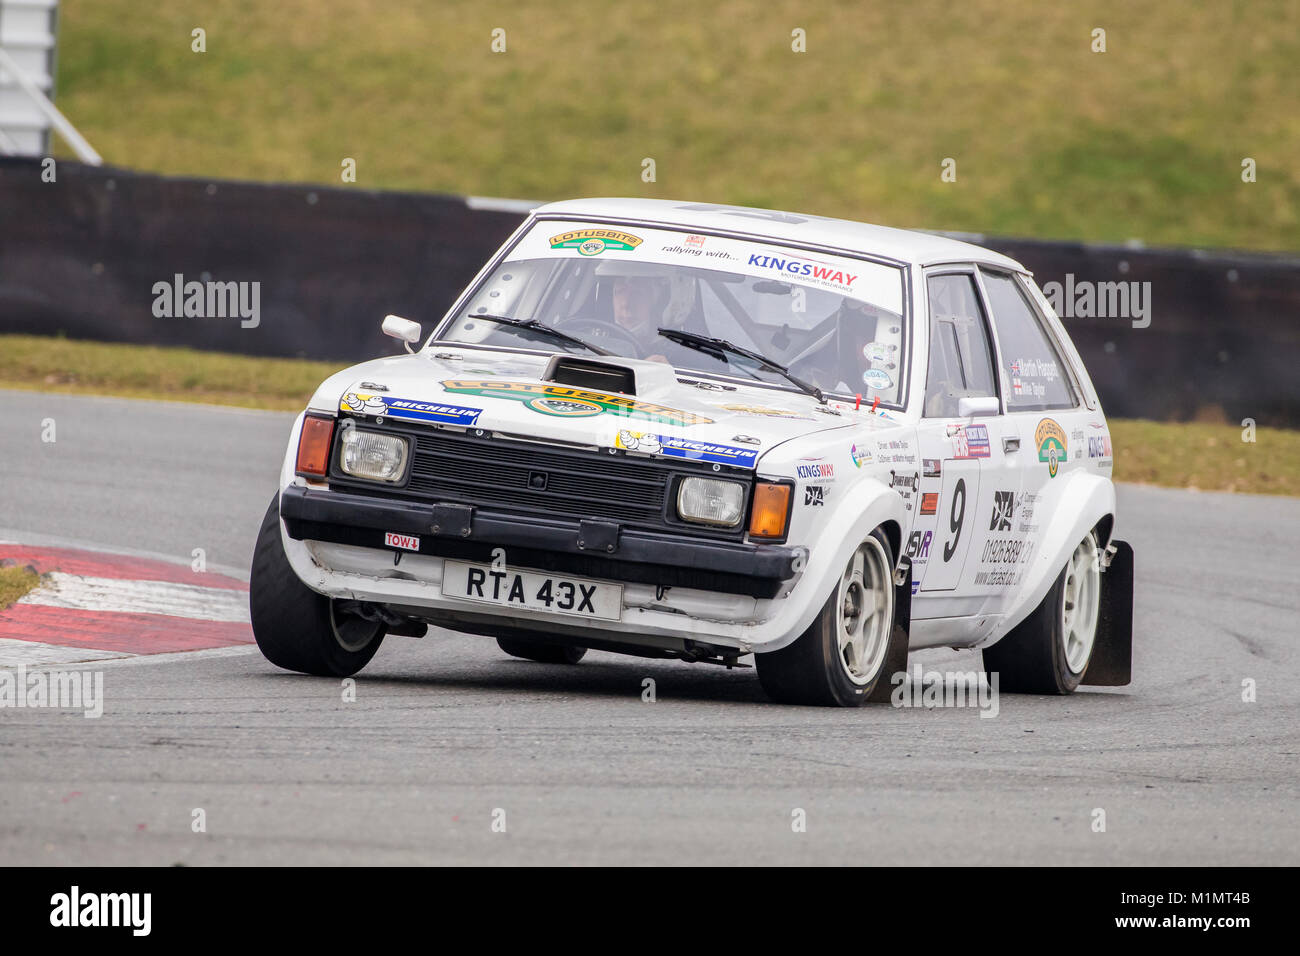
<point x="531" y="591"/>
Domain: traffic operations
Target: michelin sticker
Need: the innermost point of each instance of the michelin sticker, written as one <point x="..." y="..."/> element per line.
<point x="672" y="447"/>
<point x="364" y="403"/>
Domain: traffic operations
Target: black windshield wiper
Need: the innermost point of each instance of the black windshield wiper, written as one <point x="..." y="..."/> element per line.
<point x="533" y="325"/>
<point x="721" y="347"/>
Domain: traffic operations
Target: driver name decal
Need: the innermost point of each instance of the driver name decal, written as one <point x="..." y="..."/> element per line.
<point x="564" y="402"/>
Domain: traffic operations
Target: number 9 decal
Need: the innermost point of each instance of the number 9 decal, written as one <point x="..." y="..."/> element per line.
<point x="955" y="519"/>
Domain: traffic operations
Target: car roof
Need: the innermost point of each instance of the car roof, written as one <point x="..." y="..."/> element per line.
<point x="916" y="248"/>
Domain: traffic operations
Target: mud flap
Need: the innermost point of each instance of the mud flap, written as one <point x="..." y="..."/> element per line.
<point x="903" y="596"/>
<point x="1112" y="655"/>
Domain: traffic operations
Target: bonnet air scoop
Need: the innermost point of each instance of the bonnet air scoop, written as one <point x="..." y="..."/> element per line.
<point x="590" y="373"/>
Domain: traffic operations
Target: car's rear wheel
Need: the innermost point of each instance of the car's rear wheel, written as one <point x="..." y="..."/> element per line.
<point x="295" y="627"/>
<point x="542" y="653"/>
<point x="1048" y="652"/>
<point x="847" y="655"/>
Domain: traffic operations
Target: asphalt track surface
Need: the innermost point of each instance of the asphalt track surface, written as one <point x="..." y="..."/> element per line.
<point x="447" y="731"/>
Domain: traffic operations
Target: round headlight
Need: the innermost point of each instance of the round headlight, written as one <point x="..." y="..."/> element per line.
<point x="372" y="455"/>
<point x="711" y="501"/>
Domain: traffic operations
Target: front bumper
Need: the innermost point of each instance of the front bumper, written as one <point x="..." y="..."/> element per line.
<point x="595" y="549"/>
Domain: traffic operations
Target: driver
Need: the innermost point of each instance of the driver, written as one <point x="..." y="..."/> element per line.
<point x="634" y="299"/>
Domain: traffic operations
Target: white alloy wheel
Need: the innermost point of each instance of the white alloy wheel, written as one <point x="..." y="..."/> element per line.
<point x="864" y="613"/>
<point x="1081" y="604"/>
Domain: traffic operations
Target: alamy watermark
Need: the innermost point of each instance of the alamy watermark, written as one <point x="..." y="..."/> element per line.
<point x="946" y="689"/>
<point x="1084" y="299"/>
<point x="208" y="300"/>
<point x="65" y="690"/>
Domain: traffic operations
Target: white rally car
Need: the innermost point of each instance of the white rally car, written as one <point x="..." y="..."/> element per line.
<point x="698" y="431"/>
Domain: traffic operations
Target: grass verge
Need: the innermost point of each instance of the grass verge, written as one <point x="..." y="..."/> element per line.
<point x="14" y="583"/>
<point x="1208" y="457"/>
<point x="33" y="362"/>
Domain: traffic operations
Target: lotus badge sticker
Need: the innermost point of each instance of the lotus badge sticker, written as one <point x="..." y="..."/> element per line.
<point x="564" y="402"/>
<point x="592" y="242"/>
<point x="1050" y="439"/>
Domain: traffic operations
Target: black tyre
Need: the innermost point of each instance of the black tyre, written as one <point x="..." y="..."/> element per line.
<point x="542" y="653"/>
<point x="1048" y="652"/>
<point x="848" y="654"/>
<point x="295" y="627"/>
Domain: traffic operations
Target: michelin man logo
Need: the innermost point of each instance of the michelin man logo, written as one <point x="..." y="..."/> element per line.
<point x="639" y="441"/>
<point x="361" y="403"/>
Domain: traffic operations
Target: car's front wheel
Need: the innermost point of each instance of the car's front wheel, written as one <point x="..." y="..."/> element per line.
<point x="295" y="627"/>
<point x="847" y="655"/>
<point x="1048" y="652"/>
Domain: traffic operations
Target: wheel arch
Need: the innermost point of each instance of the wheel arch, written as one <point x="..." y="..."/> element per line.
<point x="1082" y="503"/>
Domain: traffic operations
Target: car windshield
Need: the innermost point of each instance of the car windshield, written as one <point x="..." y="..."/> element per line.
<point x="834" y="321"/>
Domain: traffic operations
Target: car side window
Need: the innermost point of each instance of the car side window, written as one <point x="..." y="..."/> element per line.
<point x="961" y="363"/>
<point x="1038" y="378"/>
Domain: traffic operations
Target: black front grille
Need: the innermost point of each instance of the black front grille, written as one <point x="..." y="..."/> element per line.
<point x="509" y="475"/>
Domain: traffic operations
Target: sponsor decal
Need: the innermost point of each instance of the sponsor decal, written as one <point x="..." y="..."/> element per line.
<point x="1001" y="558"/>
<point x="1026" y="503"/>
<point x="877" y="379"/>
<point x="931" y="468"/>
<point x="566" y="402"/>
<point x="801" y="266"/>
<point x="1050" y="440"/>
<point x="860" y="456"/>
<point x="1004" y="507"/>
<point x="1099" y="447"/>
<point x="824" y="470"/>
<point x="930" y="503"/>
<point x="592" y="242"/>
<point x="918" y="545"/>
<point x="364" y="403"/>
<point x="905" y="485"/>
<point x="875" y="352"/>
<point x="674" y="447"/>
<point x="405" y="541"/>
<point x="814" y="495"/>
<point x="969" y="441"/>
<point x="907" y="482"/>
<point x="689" y="248"/>
<point x="918" y="550"/>
<point x="764" y="410"/>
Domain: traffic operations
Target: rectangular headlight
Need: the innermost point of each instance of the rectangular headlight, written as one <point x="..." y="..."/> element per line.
<point x="372" y="455"/>
<point x="711" y="501"/>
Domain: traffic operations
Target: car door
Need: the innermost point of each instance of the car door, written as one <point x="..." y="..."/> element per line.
<point x="1042" y="400"/>
<point x="965" y="469"/>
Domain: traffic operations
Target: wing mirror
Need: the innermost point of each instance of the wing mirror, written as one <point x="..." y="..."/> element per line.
<point x="404" y="330"/>
<point x="980" y="407"/>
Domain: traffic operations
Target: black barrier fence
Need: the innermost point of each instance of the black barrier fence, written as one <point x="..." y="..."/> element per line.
<point x="93" y="254"/>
